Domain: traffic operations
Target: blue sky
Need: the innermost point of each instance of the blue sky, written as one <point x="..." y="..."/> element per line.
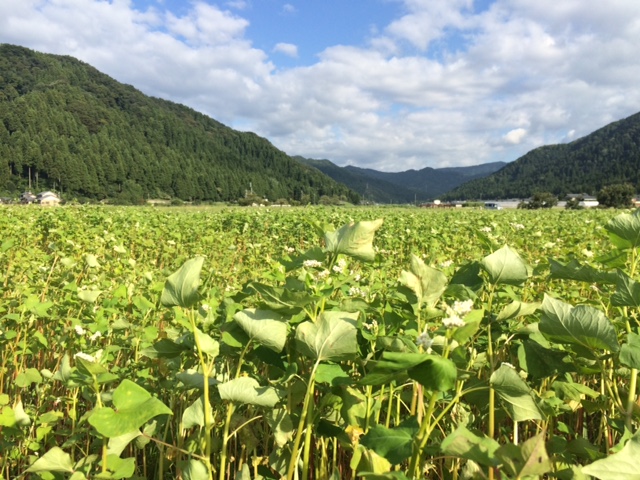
<point x="385" y="84"/>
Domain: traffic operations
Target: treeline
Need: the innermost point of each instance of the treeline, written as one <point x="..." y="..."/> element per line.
<point x="610" y="155"/>
<point x="77" y="130"/>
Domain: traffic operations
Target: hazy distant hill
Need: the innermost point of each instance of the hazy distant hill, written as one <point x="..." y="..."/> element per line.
<point x="607" y="156"/>
<point x="402" y="187"/>
<point x="80" y="131"/>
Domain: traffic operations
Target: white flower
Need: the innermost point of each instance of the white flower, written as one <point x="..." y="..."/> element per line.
<point x="357" y="277"/>
<point x="424" y="341"/>
<point x="518" y="226"/>
<point x="79" y="330"/>
<point x="290" y="249"/>
<point x="337" y="268"/>
<point x="453" y="321"/>
<point x="371" y="326"/>
<point x="485" y="229"/>
<point x="312" y="263"/>
<point x="85" y="356"/>
<point x="594" y="287"/>
<point x="446" y="263"/>
<point x="587" y="253"/>
<point x="205" y="307"/>
<point x="462" y="308"/>
<point x="356" y="292"/>
<point x="95" y="336"/>
<point x="323" y="274"/>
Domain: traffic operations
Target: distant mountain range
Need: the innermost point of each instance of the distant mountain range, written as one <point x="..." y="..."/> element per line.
<point x="607" y="156"/>
<point x="402" y="187"/>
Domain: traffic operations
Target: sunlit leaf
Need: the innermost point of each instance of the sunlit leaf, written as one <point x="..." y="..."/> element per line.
<point x="247" y="390"/>
<point x="516" y="394"/>
<point x="427" y="283"/>
<point x="332" y="337"/>
<point x="505" y="267"/>
<point x="181" y="287"/>
<point x="625" y="230"/>
<point x="623" y="464"/>
<point x="354" y="240"/>
<point x="263" y="326"/>
<point x="55" y="460"/>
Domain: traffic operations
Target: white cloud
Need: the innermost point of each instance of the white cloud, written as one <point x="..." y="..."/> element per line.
<point x="438" y="85"/>
<point x="515" y="136"/>
<point x="288" y="49"/>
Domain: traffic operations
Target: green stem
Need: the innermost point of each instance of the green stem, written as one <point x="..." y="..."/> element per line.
<point x="421" y="439"/>
<point x="301" y="423"/>
<point x="225" y="441"/>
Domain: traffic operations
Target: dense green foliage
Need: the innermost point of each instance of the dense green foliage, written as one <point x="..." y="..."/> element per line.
<point x="616" y="196"/>
<point x="82" y="133"/>
<point x="266" y="344"/>
<point x="402" y="187"/>
<point x="607" y="156"/>
<point x="540" y="200"/>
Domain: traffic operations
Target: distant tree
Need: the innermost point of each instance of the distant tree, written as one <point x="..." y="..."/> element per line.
<point x="616" y="196"/>
<point x="573" y="204"/>
<point x="540" y="200"/>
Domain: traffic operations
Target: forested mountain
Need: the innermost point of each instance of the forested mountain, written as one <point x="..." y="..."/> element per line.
<point x="81" y="132"/>
<point x="607" y="156"/>
<point x="401" y="187"/>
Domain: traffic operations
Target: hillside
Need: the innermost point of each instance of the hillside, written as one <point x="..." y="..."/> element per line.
<point x="402" y="187"/>
<point x="607" y="156"/>
<point x="79" y="131"/>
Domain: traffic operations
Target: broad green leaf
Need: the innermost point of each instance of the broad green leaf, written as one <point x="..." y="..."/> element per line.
<point x="55" y="460"/>
<point x="331" y="374"/>
<point x="91" y="261"/>
<point x="117" y="445"/>
<point x="623" y="464"/>
<point x="29" y="376"/>
<point x="535" y="456"/>
<point x="89" y="296"/>
<point x="193" y="415"/>
<point x="181" y="288"/>
<point x="573" y="270"/>
<point x="394" y="444"/>
<point x="625" y="230"/>
<point x="365" y="460"/>
<point x="63" y="374"/>
<point x="332" y="337"/>
<point x="463" y="443"/>
<point x="505" y="267"/>
<point x="164" y="348"/>
<point x="7" y="417"/>
<point x="428" y="283"/>
<point x="119" y="467"/>
<point x="134" y="407"/>
<point x="207" y="344"/>
<point x="281" y="426"/>
<point x="517" y="309"/>
<point x="248" y="390"/>
<point x="434" y="372"/>
<point x="22" y="419"/>
<point x="583" y="325"/>
<point x="630" y="351"/>
<point x="194" y="470"/>
<point x="515" y="393"/>
<point x="354" y="240"/>
<point x="627" y="292"/>
<point x="265" y="327"/>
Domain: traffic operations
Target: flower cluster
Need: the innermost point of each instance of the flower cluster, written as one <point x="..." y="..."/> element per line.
<point x="424" y="341"/>
<point x="312" y="263"/>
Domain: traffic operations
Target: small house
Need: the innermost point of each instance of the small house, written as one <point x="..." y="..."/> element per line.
<point x="27" y="198"/>
<point x="48" y="198"/>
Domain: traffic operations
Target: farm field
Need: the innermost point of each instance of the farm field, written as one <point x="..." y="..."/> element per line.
<point x="318" y="343"/>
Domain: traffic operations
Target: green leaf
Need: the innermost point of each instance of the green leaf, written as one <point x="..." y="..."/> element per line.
<point x="55" y="460"/>
<point x="207" y="344"/>
<point x="394" y="444"/>
<point x="264" y="326"/>
<point x="505" y="267"/>
<point x="89" y="296"/>
<point x="623" y="464"/>
<point x="435" y="373"/>
<point x="193" y="415"/>
<point x="517" y="309"/>
<point x="281" y="426"/>
<point x="29" y="376"/>
<point x="627" y="291"/>
<point x="135" y="406"/>
<point x="428" y="283"/>
<point x="119" y="467"/>
<point x="63" y="374"/>
<point x="582" y="325"/>
<point x="194" y="470"/>
<point x="624" y="230"/>
<point x="91" y="261"/>
<point x="354" y="240"/>
<point x="463" y="443"/>
<point x="332" y="337"/>
<point x="582" y="273"/>
<point x="117" y="444"/>
<point x="181" y="288"/>
<point x="515" y="393"/>
<point x="630" y="351"/>
<point x="248" y="390"/>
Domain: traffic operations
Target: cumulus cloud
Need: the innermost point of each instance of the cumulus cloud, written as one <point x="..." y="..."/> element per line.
<point x="439" y="85"/>
<point x="288" y="49"/>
